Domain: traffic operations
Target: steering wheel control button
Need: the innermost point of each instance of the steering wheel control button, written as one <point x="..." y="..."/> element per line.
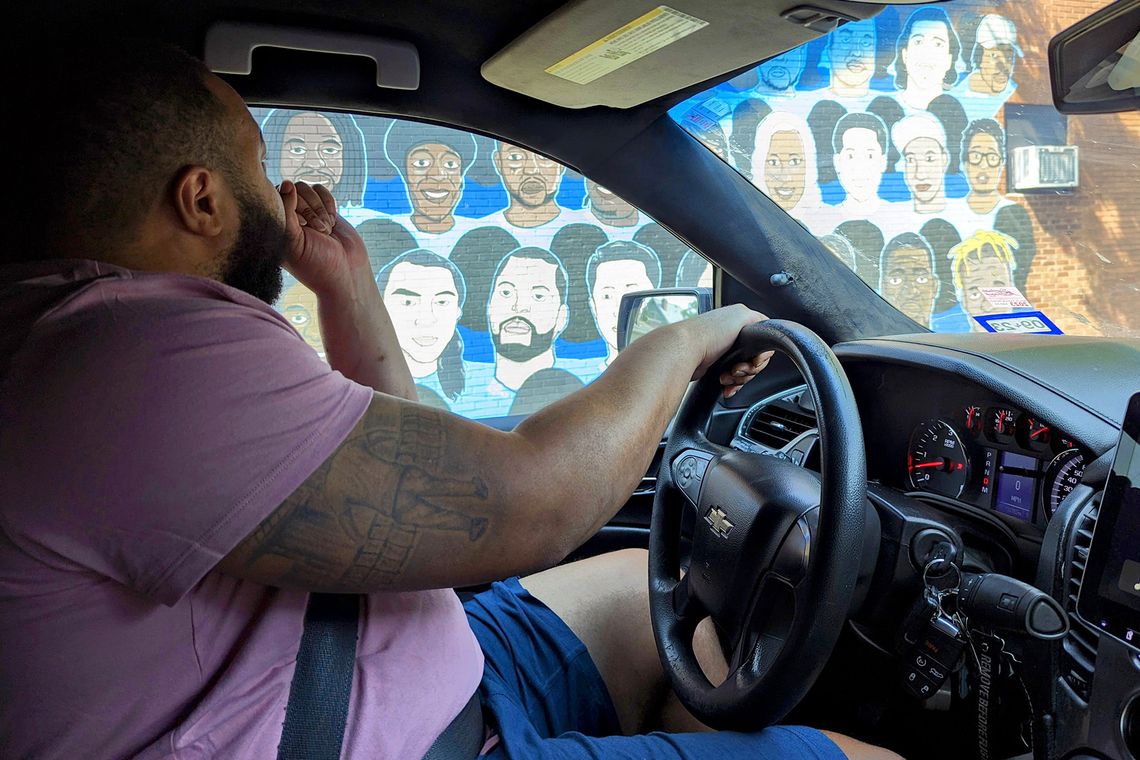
<point x="688" y="473"/>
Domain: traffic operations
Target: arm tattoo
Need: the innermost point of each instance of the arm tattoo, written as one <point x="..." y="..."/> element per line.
<point x="356" y="522"/>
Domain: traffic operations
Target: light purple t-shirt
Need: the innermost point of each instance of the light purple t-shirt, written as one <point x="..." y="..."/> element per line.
<point x="148" y="422"/>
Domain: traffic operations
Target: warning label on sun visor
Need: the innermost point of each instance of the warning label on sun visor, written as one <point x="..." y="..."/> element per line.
<point x="646" y="34"/>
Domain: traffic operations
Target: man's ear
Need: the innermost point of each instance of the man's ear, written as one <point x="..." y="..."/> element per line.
<point x="198" y="196"/>
<point x="497" y="160"/>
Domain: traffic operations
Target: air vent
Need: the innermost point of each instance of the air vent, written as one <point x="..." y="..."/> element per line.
<point x="1080" y="644"/>
<point x="777" y="424"/>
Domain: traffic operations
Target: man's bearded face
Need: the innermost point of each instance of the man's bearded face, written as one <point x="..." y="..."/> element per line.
<point x="253" y="263"/>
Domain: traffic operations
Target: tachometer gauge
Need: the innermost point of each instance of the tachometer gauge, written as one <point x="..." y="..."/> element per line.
<point x="1061" y="477"/>
<point x="936" y="460"/>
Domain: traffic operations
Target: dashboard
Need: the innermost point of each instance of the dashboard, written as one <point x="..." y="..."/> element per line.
<point x="951" y="440"/>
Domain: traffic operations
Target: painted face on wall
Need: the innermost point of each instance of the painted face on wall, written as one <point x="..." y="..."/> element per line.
<point x="525" y="310"/>
<point x="926" y="163"/>
<point x="606" y="202"/>
<point x="434" y="174"/>
<point x="985" y="270"/>
<point x="783" y="72"/>
<point x="983" y="164"/>
<point x="861" y="163"/>
<point x="424" y="305"/>
<point x="785" y="169"/>
<point x="994" y="70"/>
<point x="852" y="56"/>
<point x="927" y="55"/>
<point x="299" y="305"/>
<point x="531" y="179"/>
<point x="612" y="280"/>
<point x="312" y="151"/>
<point x="909" y="283"/>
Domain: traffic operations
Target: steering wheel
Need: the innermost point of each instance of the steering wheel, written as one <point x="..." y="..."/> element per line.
<point x="776" y="549"/>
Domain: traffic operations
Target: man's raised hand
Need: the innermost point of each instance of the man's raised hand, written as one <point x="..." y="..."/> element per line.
<point x="326" y="254"/>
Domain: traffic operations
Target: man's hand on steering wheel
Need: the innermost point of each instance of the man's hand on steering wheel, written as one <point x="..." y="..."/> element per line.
<point x="717" y="331"/>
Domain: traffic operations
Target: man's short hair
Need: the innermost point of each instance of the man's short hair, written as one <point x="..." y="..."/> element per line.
<point x="623" y="250"/>
<point x="928" y="14"/>
<point x="118" y="120"/>
<point x="349" y="190"/>
<point x="984" y="126"/>
<point x="403" y="135"/>
<point x="539" y="254"/>
<point x="859" y="121"/>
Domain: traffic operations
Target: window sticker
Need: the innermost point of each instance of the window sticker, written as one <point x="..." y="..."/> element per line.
<point x="644" y="35"/>
<point x="1006" y="297"/>
<point x="1031" y="322"/>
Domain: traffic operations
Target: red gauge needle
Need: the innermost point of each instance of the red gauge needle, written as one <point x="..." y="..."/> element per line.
<point x="924" y="465"/>
<point x="1038" y="432"/>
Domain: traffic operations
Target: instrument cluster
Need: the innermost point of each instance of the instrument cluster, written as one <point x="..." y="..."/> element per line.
<point x="995" y="458"/>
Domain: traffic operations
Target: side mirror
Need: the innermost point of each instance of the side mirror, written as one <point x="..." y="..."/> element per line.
<point x="645" y="310"/>
<point x="1094" y="65"/>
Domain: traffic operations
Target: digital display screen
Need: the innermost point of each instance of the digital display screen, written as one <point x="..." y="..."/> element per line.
<point x="1016" y="491"/>
<point x="1110" y="596"/>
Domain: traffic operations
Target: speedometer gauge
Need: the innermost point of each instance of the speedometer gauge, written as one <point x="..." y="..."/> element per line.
<point x="1061" y="477"/>
<point x="936" y="460"/>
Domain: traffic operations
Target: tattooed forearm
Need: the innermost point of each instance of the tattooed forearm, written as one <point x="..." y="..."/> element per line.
<point x="356" y="523"/>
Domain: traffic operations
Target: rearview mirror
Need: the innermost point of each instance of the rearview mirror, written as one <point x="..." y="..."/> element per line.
<point x="643" y="311"/>
<point x="1094" y="65"/>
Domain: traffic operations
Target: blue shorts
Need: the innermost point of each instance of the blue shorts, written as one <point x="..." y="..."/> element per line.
<point x="544" y="696"/>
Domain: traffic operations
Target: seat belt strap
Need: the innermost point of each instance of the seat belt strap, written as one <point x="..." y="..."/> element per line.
<point x="317" y="710"/>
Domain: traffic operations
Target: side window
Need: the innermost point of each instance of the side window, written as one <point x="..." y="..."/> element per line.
<point x="501" y="268"/>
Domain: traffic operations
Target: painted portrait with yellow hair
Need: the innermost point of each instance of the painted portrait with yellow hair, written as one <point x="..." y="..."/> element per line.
<point x="983" y="260"/>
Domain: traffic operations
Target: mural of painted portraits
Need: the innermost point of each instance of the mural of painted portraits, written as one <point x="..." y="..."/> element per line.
<point x="886" y="140"/>
<point x="462" y="252"/>
<point x="503" y="270"/>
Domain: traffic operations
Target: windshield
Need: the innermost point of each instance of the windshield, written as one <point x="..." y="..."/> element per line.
<point x="921" y="147"/>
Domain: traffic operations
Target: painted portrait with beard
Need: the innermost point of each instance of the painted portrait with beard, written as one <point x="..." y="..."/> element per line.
<point x="531" y="181"/>
<point x="526" y="312"/>
<point x="780" y="75"/>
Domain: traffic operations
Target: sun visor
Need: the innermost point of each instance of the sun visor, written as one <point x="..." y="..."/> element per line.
<point x="622" y="53"/>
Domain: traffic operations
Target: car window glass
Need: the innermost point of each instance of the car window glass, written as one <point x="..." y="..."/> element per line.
<point x="502" y="269"/>
<point x="921" y="147"/>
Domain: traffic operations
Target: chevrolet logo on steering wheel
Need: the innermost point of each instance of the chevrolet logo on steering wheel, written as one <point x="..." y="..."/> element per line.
<point x="718" y="520"/>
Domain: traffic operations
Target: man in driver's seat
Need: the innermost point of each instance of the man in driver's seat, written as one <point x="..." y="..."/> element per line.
<point x="180" y="470"/>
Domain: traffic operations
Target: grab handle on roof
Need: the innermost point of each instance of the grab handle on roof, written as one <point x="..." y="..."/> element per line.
<point x="230" y="46"/>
